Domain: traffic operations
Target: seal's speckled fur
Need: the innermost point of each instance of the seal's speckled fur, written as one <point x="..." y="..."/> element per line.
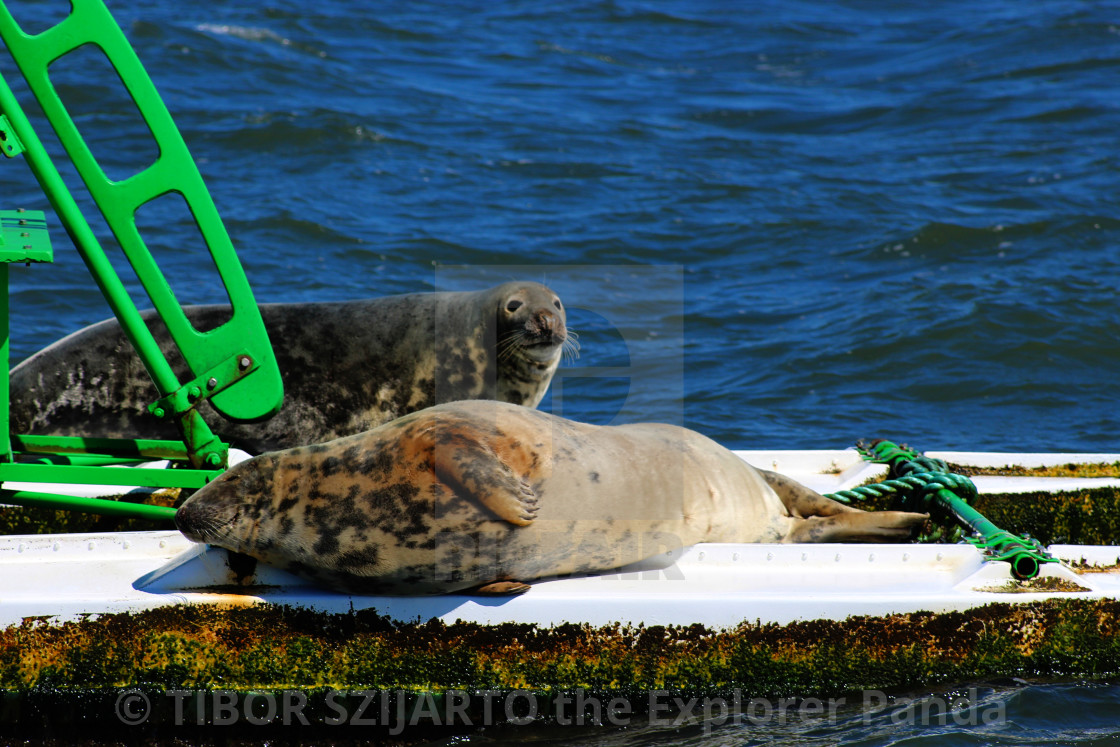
<point x="347" y="367"/>
<point x="487" y="494"/>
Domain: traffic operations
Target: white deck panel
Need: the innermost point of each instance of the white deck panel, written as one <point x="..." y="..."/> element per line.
<point x="64" y="577"/>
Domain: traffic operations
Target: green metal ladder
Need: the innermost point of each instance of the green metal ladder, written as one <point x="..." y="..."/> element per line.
<point x="231" y="366"/>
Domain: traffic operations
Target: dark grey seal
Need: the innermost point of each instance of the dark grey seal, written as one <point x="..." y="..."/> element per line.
<point x="347" y="366"/>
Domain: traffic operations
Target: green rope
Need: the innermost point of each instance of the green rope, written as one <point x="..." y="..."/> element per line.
<point x="907" y="485"/>
<point x="921" y="484"/>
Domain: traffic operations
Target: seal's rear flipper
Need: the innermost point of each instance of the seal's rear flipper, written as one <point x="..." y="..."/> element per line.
<point x="857" y="526"/>
<point x="799" y="500"/>
<point x="501" y="588"/>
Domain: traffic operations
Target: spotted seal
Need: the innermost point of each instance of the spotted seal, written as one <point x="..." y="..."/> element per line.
<point x="489" y="496"/>
<point x="347" y="366"/>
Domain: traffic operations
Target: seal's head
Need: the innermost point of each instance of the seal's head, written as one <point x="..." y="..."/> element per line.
<point x="532" y="327"/>
<point x="229" y="509"/>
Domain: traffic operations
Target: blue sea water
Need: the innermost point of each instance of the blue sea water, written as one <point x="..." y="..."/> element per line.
<point x="784" y="224"/>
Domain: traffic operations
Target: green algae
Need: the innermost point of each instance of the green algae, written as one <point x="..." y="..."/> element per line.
<point x="1094" y="469"/>
<point x="270" y="647"/>
<point x="1077" y="517"/>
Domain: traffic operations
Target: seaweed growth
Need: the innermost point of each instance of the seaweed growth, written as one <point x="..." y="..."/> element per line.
<point x="207" y="647"/>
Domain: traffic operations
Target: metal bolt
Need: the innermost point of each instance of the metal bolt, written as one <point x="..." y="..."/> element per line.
<point x="159" y="412"/>
<point x="213" y="460"/>
<point x="244" y="362"/>
<point x="194" y="393"/>
<point x="213" y="382"/>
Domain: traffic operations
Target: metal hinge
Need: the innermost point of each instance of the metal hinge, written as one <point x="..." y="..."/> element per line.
<point x="9" y="141"/>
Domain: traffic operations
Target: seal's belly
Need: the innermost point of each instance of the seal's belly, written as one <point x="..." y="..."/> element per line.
<point x="458" y="558"/>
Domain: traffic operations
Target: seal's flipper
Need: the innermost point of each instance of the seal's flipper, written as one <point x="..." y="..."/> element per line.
<point x="501" y="588"/>
<point x="478" y="472"/>
<point x="856" y="526"/>
<point x="800" y="501"/>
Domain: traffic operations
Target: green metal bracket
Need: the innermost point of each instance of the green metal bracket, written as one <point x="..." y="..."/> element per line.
<point x="941" y="495"/>
<point x="97" y="461"/>
<point x="173" y="172"/>
<point x="225" y="374"/>
<point x="9" y="141"/>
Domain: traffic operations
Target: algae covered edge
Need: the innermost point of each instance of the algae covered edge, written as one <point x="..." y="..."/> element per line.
<point x="201" y="647"/>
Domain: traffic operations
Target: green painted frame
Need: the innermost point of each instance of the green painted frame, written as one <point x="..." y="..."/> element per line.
<point x="219" y="360"/>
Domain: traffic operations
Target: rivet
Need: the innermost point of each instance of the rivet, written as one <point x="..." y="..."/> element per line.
<point x="905" y="556"/>
<point x="700" y="556"/>
<point x="804" y="556"/>
<point x="213" y="382"/>
<point x="91" y="545"/>
<point x="837" y="557"/>
<point x="244" y="362"/>
<point x="871" y="558"/>
<point x="769" y="556"/>
<point x="735" y="556"/>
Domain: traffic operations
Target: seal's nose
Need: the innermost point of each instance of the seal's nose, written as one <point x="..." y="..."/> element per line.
<point x="547" y="326"/>
<point x="190" y="521"/>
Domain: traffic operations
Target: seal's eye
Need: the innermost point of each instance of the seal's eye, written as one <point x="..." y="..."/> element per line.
<point x="557" y="304"/>
<point x="513" y="305"/>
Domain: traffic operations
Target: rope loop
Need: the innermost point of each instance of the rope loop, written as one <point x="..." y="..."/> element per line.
<point x="923" y="484"/>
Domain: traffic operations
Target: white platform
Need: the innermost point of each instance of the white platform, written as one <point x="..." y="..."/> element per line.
<point x="62" y="577"/>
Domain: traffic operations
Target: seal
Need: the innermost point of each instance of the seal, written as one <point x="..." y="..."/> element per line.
<point x="488" y="496"/>
<point x="346" y="366"/>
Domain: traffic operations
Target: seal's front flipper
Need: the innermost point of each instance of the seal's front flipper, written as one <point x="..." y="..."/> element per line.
<point x="501" y="588"/>
<point x="857" y="526"/>
<point x="476" y="471"/>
